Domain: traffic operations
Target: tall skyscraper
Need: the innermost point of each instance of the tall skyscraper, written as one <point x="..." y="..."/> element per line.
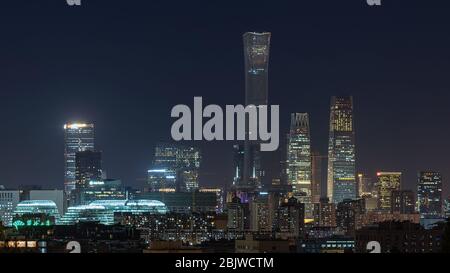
<point x="299" y="160"/>
<point x="341" y="182"/>
<point x="429" y="194"/>
<point x="387" y="183"/>
<point x="256" y="53"/>
<point x="77" y="137"/>
<point x="174" y="167"/>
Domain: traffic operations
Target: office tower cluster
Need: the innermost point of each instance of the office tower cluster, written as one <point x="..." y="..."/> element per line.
<point x="331" y="197"/>
<point x="318" y="203"/>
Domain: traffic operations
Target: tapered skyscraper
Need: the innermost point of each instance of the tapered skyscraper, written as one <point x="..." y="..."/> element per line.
<point x="78" y="137"/>
<point x="341" y="151"/>
<point x="256" y="53"/>
<point x="299" y="160"/>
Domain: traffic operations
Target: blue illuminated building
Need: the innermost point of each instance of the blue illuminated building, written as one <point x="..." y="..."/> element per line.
<point x="102" y="211"/>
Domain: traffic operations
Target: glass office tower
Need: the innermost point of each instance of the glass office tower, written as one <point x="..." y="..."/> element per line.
<point x="175" y="167"/>
<point x="299" y="160"/>
<point x="256" y="53"/>
<point x="387" y="183"/>
<point x="341" y="151"/>
<point x="429" y="194"/>
<point x="77" y="137"/>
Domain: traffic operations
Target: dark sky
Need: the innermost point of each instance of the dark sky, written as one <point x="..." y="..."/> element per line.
<point x="125" y="64"/>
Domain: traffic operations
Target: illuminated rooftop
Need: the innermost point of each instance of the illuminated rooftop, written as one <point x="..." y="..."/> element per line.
<point x="77" y="125"/>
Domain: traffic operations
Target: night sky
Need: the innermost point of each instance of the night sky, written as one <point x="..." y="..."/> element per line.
<point x="124" y="64"/>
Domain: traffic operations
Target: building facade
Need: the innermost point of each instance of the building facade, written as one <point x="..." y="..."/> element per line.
<point x="299" y="160"/>
<point x="387" y="182"/>
<point x="174" y="167"/>
<point x="429" y="194"/>
<point x="341" y="181"/>
<point x="8" y="202"/>
<point x="256" y="56"/>
<point x="403" y="202"/>
<point x="77" y="137"/>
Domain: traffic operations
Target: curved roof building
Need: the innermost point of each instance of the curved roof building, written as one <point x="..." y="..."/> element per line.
<point x="102" y="211"/>
<point x="37" y="207"/>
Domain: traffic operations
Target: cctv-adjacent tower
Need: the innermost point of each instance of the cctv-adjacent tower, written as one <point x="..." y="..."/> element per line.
<point x="341" y="151"/>
<point x="299" y="160"/>
<point x="256" y="53"/>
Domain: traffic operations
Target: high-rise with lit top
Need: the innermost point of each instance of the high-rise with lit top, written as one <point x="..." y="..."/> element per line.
<point x="341" y="181"/>
<point x="78" y="137"/>
<point x="299" y="160"/>
<point x="256" y="55"/>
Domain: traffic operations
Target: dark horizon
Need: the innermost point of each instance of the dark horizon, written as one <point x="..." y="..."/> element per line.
<point x="124" y="65"/>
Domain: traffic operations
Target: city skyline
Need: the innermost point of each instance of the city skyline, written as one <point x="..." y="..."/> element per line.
<point x="409" y="141"/>
<point x="317" y="127"/>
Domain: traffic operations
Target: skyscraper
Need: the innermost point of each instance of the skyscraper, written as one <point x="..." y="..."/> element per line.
<point x="387" y="183"/>
<point x="299" y="160"/>
<point x="256" y="53"/>
<point x="174" y="167"/>
<point x="88" y="168"/>
<point x="77" y="137"/>
<point x="365" y="185"/>
<point x="429" y="194"/>
<point x="341" y="181"/>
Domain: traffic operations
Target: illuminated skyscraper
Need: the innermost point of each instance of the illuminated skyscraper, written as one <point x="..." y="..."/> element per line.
<point x="429" y="194"/>
<point x="256" y="53"/>
<point x="174" y="167"/>
<point x="77" y="137"/>
<point x="341" y="182"/>
<point x="299" y="160"/>
<point x="387" y="183"/>
<point x="364" y="185"/>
